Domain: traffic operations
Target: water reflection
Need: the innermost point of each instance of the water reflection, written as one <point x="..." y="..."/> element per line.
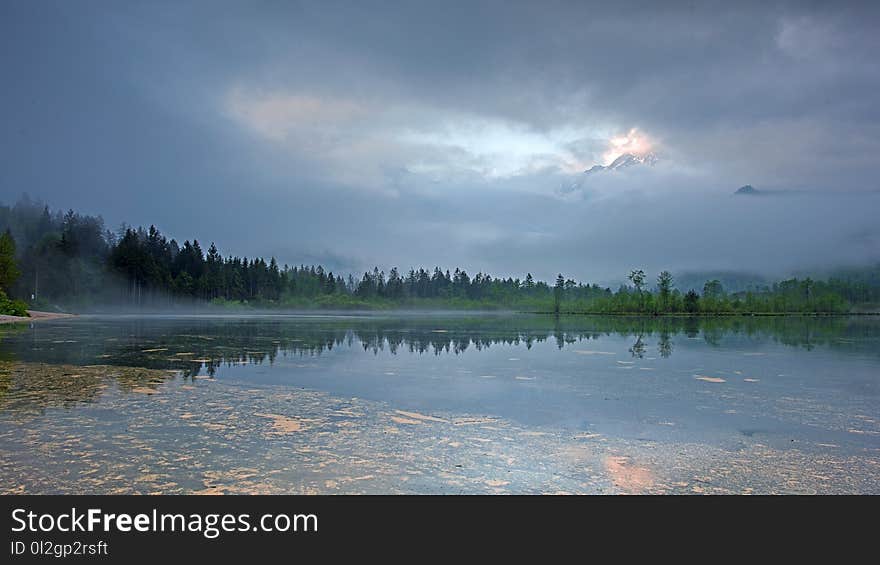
<point x="190" y="344"/>
<point x="521" y="404"/>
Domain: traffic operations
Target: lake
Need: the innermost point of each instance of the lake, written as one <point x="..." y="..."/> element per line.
<point x="435" y="404"/>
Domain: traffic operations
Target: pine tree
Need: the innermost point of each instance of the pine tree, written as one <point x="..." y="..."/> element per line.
<point x="9" y="271"/>
<point x="558" y="289"/>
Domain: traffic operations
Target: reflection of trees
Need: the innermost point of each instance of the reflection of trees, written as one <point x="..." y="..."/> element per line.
<point x="713" y="335"/>
<point x="638" y="348"/>
<point x="691" y="327"/>
<point x="195" y="345"/>
<point x="664" y="344"/>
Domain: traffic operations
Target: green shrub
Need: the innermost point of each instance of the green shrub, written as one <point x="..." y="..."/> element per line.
<point x="12" y="307"/>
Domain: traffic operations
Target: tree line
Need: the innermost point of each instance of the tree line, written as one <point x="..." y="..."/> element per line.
<point x="787" y="296"/>
<point x="72" y="259"/>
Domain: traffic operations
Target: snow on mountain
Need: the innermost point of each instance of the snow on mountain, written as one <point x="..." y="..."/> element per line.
<point x="622" y="162"/>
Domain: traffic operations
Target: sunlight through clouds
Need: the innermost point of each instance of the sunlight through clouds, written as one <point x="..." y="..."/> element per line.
<point x="438" y="143"/>
<point x="633" y="142"/>
<point x="336" y="135"/>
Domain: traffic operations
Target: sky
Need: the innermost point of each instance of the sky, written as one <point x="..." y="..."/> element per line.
<point x="412" y="134"/>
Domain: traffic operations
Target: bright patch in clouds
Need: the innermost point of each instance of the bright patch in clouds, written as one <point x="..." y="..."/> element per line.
<point x="499" y="149"/>
<point x="634" y="142"/>
<point x="368" y="143"/>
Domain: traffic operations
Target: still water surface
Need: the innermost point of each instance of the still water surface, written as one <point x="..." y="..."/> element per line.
<point x="440" y="404"/>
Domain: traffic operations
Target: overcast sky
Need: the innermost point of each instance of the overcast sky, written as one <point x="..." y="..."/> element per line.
<point x="456" y="134"/>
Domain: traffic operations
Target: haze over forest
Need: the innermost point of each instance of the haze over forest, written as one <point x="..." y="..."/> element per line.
<point x="457" y="134"/>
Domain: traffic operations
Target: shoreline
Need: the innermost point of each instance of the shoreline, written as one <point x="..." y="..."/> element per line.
<point x="712" y="315"/>
<point x="35" y="316"/>
<point x="39" y="315"/>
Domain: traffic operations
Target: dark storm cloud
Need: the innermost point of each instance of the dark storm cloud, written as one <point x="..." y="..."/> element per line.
<point x="441" y="133"/>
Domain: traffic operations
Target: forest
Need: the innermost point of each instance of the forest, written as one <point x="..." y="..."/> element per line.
<point x="66" y="260"/>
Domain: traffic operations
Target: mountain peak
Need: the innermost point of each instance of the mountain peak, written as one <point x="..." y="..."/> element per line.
<point x="624" y="161"/>
<point x="747" y="189"/>
<point x="630" y="159"/>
